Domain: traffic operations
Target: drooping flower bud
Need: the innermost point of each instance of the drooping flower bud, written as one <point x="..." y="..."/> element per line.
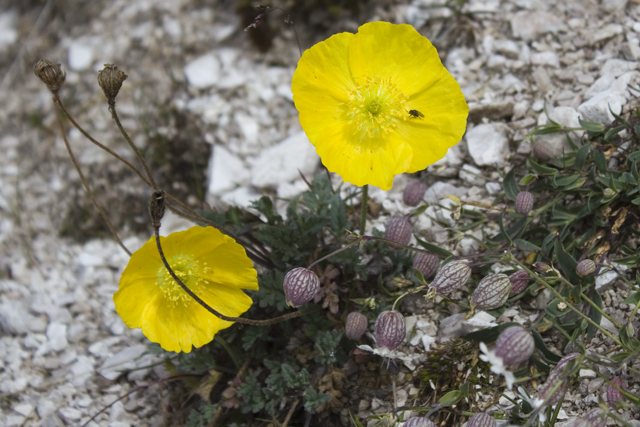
<point x="413" y="193"/>
<point x="562" y="364"/>
<point x="585" y="267"/>
<point x="613" y="395"/>
<point x="355" y="325"/>
<point x="541" y="267"/>
<point x="419" y="422"/>
<point x="451" y="277"/>
<point x="558" y="380"/>
<point x="519" y="281"/>
<point x="594" y="418"/>
<point x="300" y="286"/>
<point x="524" y="202"/>
<point x="50" y="74"/>
<point x="514" y="345"/>
<point x="398" y="231"/>
<point x="427" y="264"/>
<point x="390" y="329"/>
<point x="110" y="80"/>
<point x="492" y="291"/>
<point x="481" y="420"/>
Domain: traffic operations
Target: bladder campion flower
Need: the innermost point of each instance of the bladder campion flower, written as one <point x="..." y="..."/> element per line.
<point x="211" y="264"/>
<point x="358" y="93"/>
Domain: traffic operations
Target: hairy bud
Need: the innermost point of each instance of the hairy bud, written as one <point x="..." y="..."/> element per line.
<point x="300" y="286"/>
<point x="419" y="422"/>
<point x="541" y="267"/>
<point x="524" y="202"/>
<point x="613" y="395"/>
<point x="427" y="264"/>
<point x="110" y="80"/>
<point x="492" y="291"/>
<point x="451" y="277"/>
<point x="50" y="74"/>
<point x="585" y="267"/>
<point x="514" y="345"/>
<point x="481" y="420"/>
<point x="390" y="329"/>
<point x="413" y="193"/>
<point x="156" y="207"/>
<point x="355" y="326"/>
<point x="398" y="231"/>
<point x="519" y="281"/>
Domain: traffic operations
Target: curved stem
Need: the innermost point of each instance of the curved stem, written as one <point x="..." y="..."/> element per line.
<point x="355" y="242"/>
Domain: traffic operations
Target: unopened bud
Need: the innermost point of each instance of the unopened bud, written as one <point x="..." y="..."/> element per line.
<point x="524" y="202"/>
<point x="419" y="422"/>
<point x="50" y="74"/>
<point x="492" y="291"/>
<point x="585" y="267"/>
<point x="613" y="394"/>
<point x="110" y="80"/>
<point x="481" y="420"/>
<point x="558" y="380"/>
<point x="355" y="326"/>
<point x="514" y="345"/>
<point x="390" y="329"/>
<point x="398" y="231"/>
<point x="608" y="192"/>
<point x="156" y="207"/>
<point x="562" y="364"/>
<point x="413" y="193"/>
<point x="300" y="286"/>
<point x="519" y="281"/>
<point x="427" y="264"/>
<point x="541" y="267"/>
<point x="451" y="277"/>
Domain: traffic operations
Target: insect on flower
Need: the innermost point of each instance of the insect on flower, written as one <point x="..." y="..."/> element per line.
<point x="415" y="114"/>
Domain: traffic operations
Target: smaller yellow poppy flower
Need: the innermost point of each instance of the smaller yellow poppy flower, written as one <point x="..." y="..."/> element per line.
<point x="210" y="264"/>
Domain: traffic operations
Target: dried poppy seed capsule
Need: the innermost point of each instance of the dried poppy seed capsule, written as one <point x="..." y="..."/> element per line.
<point x="51" y="74"/>
<point x="419" y="422"/>
<point x="390" y="329"/>
<point x="481" y="420"/>
<point x="613" y="395"/>
<point x="300" y="286"/>
<point x="355" y="325"/>
<point x="427" y="264"/>
<point x="519" y="281"/>
<point x="413" y="193"/>
<point x="594" y="418"/>
<point x="524" y="202"/>
<point x="492" y="291"/>
<point x="398" y="231"/>
<point x="451" y="277"/>
<point x="585" y="267"/>
<point x="514" y="345"/>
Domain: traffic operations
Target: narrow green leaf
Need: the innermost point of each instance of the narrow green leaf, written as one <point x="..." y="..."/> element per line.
<point x="488" y="335"/>
<point x="540" y="345"/>
<point x="591" y="126"/>
<point x="433" y="248"/>
<point x="504" y="232"/>
<point x="528" y="179"/>
<point x="581" y="156"/>
<point x="594" y="315"/>
<point x="632" y="299"/>
<point x="523" y="244"/>
<point x="567" y="263"/>
<point x="601" y="162"/>
<point x="510" y="186"/>
<point x="451" y="398"/>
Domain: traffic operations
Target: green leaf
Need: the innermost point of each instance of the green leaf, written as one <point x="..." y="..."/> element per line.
<point x="540" y="345"/>
<point x="488" y="335"/>
<point x="327" y="343"/>
<point x="451" y="398"/>
<point x="339" y="220"/>
<point x="510" y="186"/>
<point x="313" y="399"/>
<point x="552" y="308"/>
<point x="567" y="263"/>
<point x="464" y="388"/>
<point x="542" y="170"/>
<point x="601" y="161"/>
<point x="632" y="299"/>
<point x="591" y="126"/>
<point x="528" y="179"/>
<point x="581" y="156"/>
<point x="594" y="314"/>
<point x="433" y="248"/>
<point x="523" y="244"/>
<point x="354" y="420"/>
<point x="504" y="232"/>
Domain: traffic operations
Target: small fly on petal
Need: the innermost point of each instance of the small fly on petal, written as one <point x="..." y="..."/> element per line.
<point x="415" y="114"/>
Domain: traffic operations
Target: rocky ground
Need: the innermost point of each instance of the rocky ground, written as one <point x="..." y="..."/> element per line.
<point x="216" y="118"/>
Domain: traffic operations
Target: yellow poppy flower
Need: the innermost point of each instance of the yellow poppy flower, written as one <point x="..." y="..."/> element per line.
<point x="378" y="103"/>
<point x="212" y="265"/>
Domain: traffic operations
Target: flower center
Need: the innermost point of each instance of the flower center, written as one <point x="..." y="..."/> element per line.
<point x="376" y="105"/>
<point x="188" y="271"/>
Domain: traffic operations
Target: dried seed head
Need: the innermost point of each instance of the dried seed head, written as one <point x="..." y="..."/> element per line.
<point x="419" y="422"/>
<point x="427" y="264"/>
<point x="451" y="277"/>
<point x="355" y="325"/>
<point x="413" y="193"/>
<point x="110" y="80"/>
<point x="300" y="286"/>
<point x="481" y="420"/>
<point x="519" y="281"/>
<point x="398" y="231"/>
<point x="514" y="345"/>
<point x="593" y="418"/>
<point x="585" y="267"/>
<point x="390" y="329"/>
<point x="50" y="74"/>
<point x="613" y="395"/>
<point x="492" y="291"/>
<point x="524" y="202"/>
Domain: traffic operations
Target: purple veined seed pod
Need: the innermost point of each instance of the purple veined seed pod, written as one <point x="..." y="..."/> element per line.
<point x="355" y="326"/>
<point x="564" y="362"/>
<point x="451" y="277"/>
<point x="427" y="264"/>
<point x="585" y="267"/>
<point x="524" y="202"/>
<point x="390" y="330"/>
<point x="492" y="291"/>
<point x="594" y="418"/>
<point x="413" y="193"/>
<point x="613" y="395"/>
<point x="419" y="422"/>
<point x="519" y="281"/>
<point x="398" y="231"/>
<point x="481" y="420"/>
<point x="546" y="393"/>
<point x="514" y="345"/>
<point x="300" y="286"/>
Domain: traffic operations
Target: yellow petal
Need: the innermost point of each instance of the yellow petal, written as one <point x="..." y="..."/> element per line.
<point x="132" y="298"/>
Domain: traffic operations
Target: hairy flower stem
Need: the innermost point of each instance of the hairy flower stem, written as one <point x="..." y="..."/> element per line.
<point x="364" y="208"/>
<point x="355" y="242"/>
<point x="86" y="184"/>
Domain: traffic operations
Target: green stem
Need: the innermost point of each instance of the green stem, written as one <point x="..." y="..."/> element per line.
<point x="412" y="291"/>
<point x="365" y="204"/>
<point x="355" y="242"/>
<point x="633" y="314"/>
<point x="599" y="310"/>
<point x="230" y="351"/>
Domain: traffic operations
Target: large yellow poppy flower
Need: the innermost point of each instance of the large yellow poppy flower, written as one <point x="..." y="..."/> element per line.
<point x="378" y="103"/>
<point x="212" y="265"/>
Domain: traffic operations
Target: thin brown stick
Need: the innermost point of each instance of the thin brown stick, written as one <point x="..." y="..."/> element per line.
<point x="290" y="413"/>
<point x="86" y="185"/>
